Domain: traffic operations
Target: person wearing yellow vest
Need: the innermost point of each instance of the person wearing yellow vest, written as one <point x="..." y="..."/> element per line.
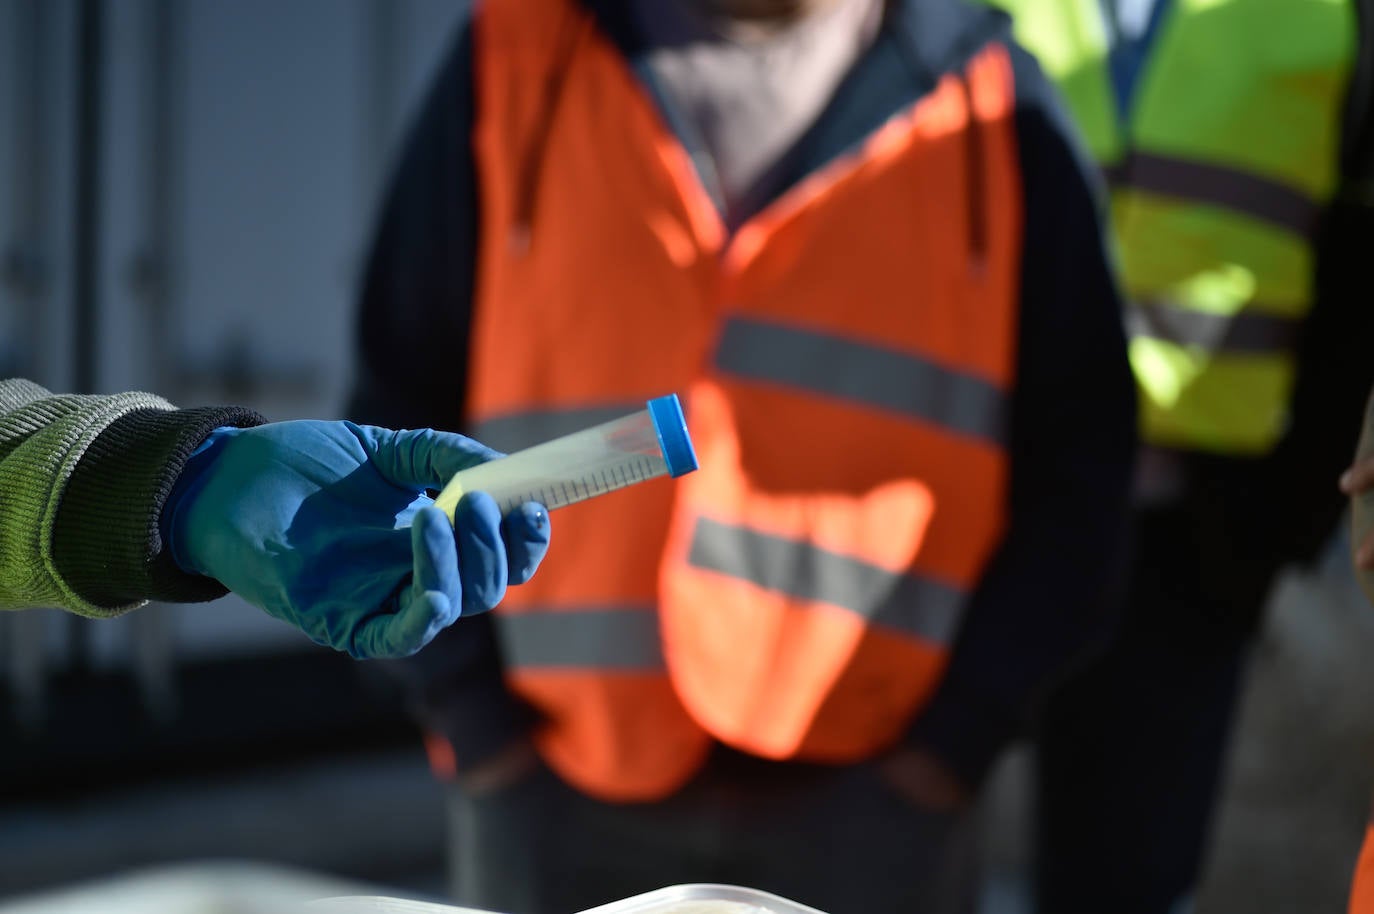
<point x="855" y="235"/>
<point x="1232" y="134"/>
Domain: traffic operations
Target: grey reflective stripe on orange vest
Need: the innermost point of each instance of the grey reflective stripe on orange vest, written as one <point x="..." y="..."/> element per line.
<point x="620" y="638"/>
<point x="1246" y="332"/>
<point x="872" y="375"/>
<point x="515" y="431"/>
<point x="922" y="607"/>
<point x="1258" y="197"/>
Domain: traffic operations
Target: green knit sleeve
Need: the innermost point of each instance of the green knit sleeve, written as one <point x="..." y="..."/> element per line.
<point x="82" y="480"/>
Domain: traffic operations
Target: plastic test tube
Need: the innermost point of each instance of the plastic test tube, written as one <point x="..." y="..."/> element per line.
<point x="643" y="445"/>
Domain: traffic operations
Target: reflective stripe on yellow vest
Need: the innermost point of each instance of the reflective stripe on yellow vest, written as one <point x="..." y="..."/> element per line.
<point x="1220" y="172"/>
<point x="846" y="359"/>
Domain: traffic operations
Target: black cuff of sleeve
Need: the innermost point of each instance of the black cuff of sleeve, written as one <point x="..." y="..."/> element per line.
<point x="479" y="718"/>
<point x="107" y="543"/>
<point x="965" y="731"/>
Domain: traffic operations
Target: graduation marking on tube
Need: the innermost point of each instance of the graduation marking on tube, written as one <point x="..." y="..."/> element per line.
<point x="644" y="445"/>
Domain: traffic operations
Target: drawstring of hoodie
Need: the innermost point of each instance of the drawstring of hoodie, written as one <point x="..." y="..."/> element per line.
<point x="975" y="188"/>
<point x="571" y="32"/>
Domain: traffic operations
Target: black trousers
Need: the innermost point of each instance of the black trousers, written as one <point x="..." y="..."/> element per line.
<point x="835" y="838"/>
<point x="1131" y="749"/>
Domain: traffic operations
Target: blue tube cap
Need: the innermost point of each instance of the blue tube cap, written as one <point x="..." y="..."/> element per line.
<point x="673" y="438"/>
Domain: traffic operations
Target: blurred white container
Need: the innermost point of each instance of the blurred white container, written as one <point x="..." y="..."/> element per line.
<point x="697" y="898"/>
<point x="704" y="898"/>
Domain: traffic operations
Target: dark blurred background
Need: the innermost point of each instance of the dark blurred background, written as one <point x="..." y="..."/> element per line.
<point x="187" y="188"/>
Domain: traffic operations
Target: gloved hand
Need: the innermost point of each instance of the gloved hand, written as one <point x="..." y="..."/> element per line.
<point x="327" y="526"/>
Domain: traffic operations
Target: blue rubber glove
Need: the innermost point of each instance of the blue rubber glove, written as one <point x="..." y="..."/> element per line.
<point x="327" y="526"/>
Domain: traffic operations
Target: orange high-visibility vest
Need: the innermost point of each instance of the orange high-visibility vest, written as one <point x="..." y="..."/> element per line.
<point x="846" y="360"/>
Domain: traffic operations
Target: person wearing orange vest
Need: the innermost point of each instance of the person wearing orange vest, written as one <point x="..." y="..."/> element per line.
<point x="857" y="238"/>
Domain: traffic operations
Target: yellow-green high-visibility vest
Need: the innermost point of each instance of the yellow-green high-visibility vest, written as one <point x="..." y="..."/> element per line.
<point x="1220" y="172"/>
